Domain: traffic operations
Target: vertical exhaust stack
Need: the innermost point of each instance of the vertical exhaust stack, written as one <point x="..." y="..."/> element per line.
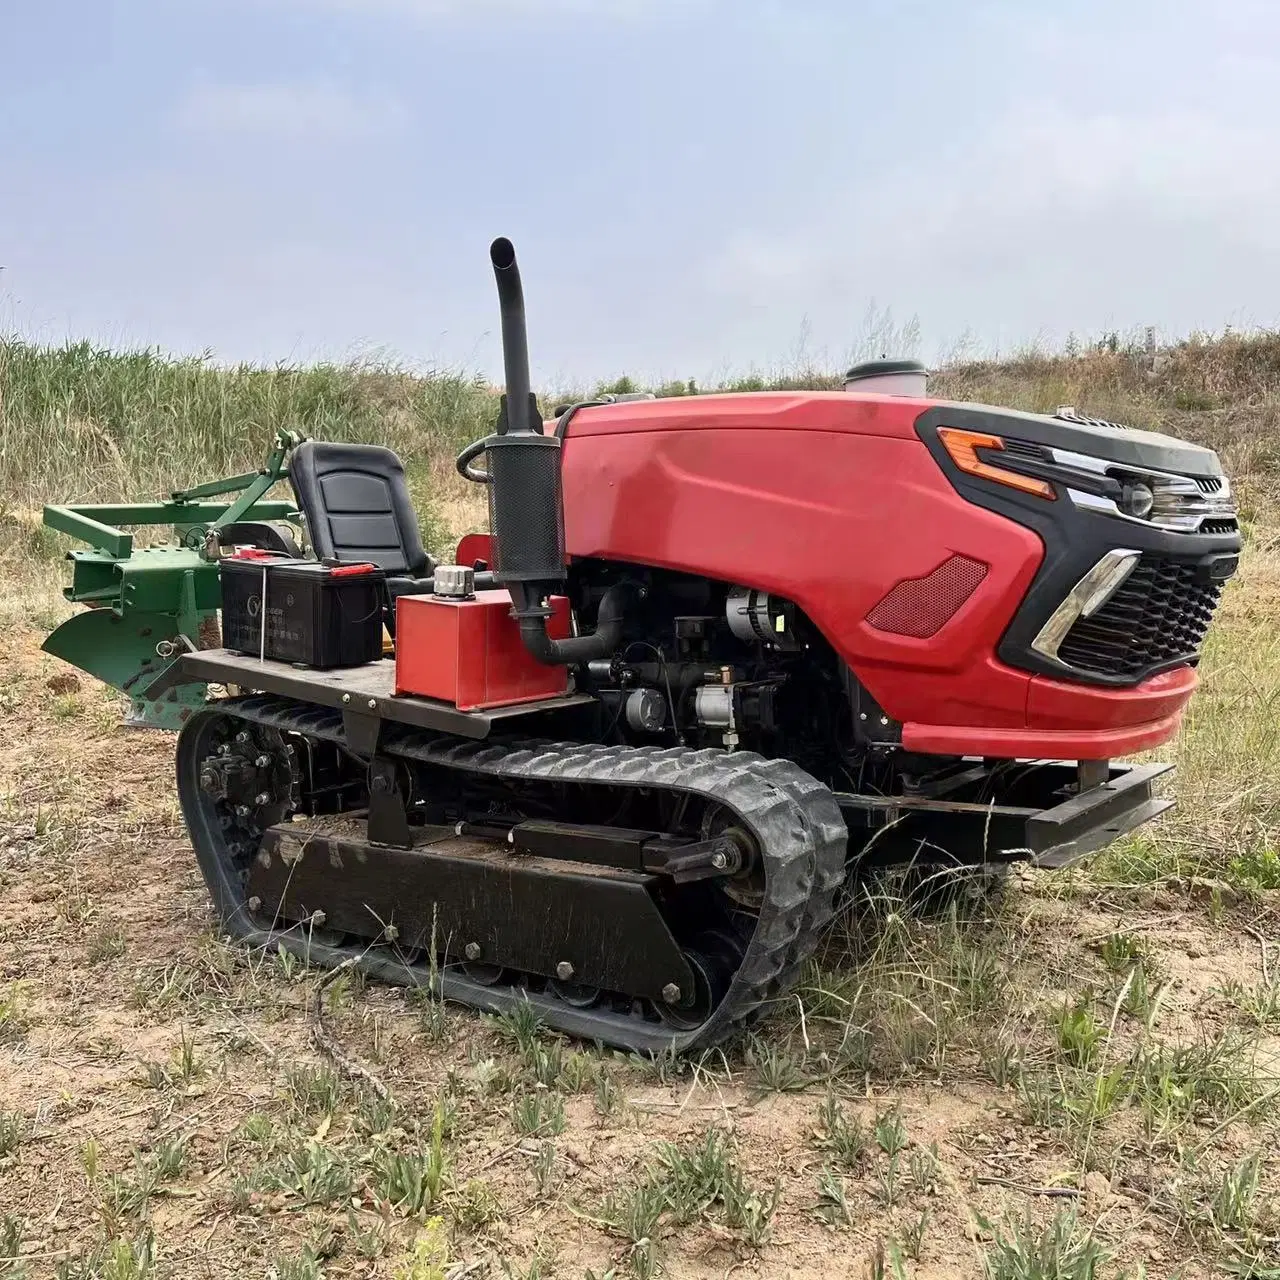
<point x="526" y="511"/>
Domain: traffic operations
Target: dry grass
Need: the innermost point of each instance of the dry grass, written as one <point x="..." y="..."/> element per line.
<point x="1080" y="1080"/>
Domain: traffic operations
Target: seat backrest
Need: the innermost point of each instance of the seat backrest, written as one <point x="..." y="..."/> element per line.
<point x="357" y="506"/>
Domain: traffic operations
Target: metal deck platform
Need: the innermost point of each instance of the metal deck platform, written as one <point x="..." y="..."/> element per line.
<point x="367" y="691"/>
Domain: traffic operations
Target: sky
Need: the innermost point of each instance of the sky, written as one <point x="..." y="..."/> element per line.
<point x="694" y="187"/>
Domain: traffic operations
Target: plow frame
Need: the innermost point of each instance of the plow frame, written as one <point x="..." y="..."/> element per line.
<point x="147" y="606"/>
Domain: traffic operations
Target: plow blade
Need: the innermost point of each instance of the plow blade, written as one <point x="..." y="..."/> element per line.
<point x="121" y="652"/>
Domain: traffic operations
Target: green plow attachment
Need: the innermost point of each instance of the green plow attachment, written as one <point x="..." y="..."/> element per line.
<point x="149" y="606"/>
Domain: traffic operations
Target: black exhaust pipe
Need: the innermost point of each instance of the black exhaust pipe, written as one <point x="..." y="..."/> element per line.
<point x="526" y="510"/>
<point x="520" y="405"/>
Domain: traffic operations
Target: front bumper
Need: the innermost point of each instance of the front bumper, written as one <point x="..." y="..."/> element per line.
<point x="1043" y="816"/>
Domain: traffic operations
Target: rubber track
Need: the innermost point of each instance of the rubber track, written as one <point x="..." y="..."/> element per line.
<point x="794" y="818"/>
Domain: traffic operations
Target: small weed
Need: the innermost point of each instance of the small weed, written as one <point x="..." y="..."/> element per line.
<point x="170" y="1158"/>
<point x="186" y="1063"/>
<point x="474" y="1205"/>
<point x="428" y="1257"/>
<point x="413" y="1181"/>
<point x="369" y="1242"/>
<point x="545" y="1061"/>
<point x="777" y="1069"/>
<point x="538" y="1114"/>
<point x="913" y="1236"/>
<point x="313" y="1091"/>
<point x="544" y="1168"/>
<point x="89" y="1154"/>
<point x="606" y="1094"/>
<point x="116" y="1259"/>
<point x="432" y="1019"/>
<point x="634" y="1214"/>
<point x="887" y="1184"/>
<point x="520" y="1024"/>
<point x="155" y="1075"/>
<point x="1139" y="1002"/>
<point x="1120" y="950"/>
<point x="316" y="1174"/>
<point x="748" y="1211"/>
<point x="841" y="1135"/>
<point x="1258" y="868"/>
<point x="13" y="1131"/>
<point x="833" y="1202"/>
<point x="1079" y="1034"/>
<point x="1259" y="1003"/>
<point x="126" y="1197"/>
<point x="924" y="1167"/>
<point x="1002" y="1061"/>
<point x="11" y="1247"/>
<point x="259" y="1129"/>
<point x="891" y="1133"/>
<point x="106" y="943"/>
<point x="1234" y="1207"/>
<point x="13" y="1022"/>
<point x="1060" y="1250"/>
<point x="301" y="1266"/>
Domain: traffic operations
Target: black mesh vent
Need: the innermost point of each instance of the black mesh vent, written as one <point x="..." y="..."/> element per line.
<point x="1228" y="525"/>
<point x="525" y="508"/>
<point x="1158" y="617"/>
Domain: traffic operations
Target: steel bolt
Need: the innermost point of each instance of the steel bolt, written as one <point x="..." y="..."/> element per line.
<point x="346" y="697"/>
<point x="242" y="737"/>
<point x="263" y="797"/>
<point x="564" y="971"/>
<point x="884" y="719"/>
<point x="472" y="951"/>
<point x="254" y="903"/>
<point x="671" y="993"/>
<point x="318" y="917"/>
<point x="391" y="933"/>
<point x="263" y="762"/>
<point x="243" y="811"/>
<point x="719" y="861"/>
<point x="373" y="704"/>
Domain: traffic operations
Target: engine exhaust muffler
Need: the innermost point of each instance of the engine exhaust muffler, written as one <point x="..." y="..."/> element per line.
<point x="526" y="507"/>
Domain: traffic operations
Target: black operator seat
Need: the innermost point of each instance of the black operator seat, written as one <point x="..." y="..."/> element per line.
<point x="357" y="506"/>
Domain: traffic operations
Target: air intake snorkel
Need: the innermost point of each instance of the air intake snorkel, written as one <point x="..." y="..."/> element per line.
<point x="526" y="516"/>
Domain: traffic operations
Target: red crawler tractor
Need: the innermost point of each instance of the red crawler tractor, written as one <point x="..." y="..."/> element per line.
<point x="718" y="654"/>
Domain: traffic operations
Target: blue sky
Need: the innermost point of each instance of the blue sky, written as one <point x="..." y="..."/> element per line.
<point x="693" y="186"/>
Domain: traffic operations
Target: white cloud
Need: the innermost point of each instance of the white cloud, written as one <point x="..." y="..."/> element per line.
<point x="291" y="112"/>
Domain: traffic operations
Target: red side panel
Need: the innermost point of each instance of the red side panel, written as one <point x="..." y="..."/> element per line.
<point x="469" y="652"/>
<point x="833" y="502"/>
<point x="830" y="520"/>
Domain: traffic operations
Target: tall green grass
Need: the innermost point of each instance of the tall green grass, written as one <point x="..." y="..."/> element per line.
<point x="82" y="423"/>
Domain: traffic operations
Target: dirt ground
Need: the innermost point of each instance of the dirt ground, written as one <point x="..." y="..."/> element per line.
<point x="1089" y="1065"/>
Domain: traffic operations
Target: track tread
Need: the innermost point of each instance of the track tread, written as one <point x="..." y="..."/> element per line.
<point x="795" y="819"/>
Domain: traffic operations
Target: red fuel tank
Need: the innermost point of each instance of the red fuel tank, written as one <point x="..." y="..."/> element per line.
<point x="469" y="652"/>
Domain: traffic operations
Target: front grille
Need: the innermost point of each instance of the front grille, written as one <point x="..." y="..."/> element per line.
<point x="1209" y="484"/>
<point x="1157" y="618"/>
<point x="1219" y="526"/>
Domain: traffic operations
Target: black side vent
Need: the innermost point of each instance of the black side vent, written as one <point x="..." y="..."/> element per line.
<point x="1157" y="619"/>
<point x="1209" y="484"/>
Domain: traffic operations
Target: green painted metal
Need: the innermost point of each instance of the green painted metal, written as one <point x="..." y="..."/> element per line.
<point x="147" y="605"/>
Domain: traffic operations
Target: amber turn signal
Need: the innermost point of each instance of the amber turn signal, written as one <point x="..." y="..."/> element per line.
<point x="962" y="447"/>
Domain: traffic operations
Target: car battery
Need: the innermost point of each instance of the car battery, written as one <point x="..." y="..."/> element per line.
<point x="315" y="615"/>
<point x="469" y="652"/>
